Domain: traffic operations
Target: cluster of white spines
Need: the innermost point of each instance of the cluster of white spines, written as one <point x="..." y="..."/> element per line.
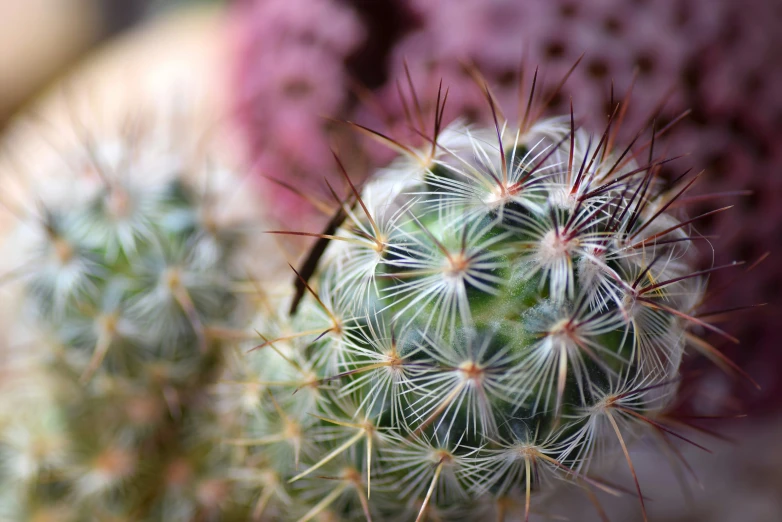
<point x="493" y="306"/>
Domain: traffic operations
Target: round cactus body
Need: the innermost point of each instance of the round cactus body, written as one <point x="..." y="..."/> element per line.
<point x="498" y="310"/>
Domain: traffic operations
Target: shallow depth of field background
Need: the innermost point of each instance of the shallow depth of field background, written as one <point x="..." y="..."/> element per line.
<point x="720" y="58"/>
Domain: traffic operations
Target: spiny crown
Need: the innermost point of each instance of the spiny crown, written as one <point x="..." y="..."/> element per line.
<point x="493" y="306"/>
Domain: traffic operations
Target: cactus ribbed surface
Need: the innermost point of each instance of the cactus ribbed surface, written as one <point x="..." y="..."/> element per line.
<point x="499" y="308"/>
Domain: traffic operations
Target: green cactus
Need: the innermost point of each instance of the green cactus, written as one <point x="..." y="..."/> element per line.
<point x="497" y="309"/>
<point x="128" y="282"/>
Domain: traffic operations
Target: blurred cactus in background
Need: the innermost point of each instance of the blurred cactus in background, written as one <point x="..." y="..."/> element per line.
<point x="129" y="271"/>
<point x="298" y="77"/>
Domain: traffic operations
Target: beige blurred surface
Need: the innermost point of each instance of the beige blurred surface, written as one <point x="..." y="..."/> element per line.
<point x="177" y="57"/>
<point x="39" y="38"/>
<point x="169" y="66"/>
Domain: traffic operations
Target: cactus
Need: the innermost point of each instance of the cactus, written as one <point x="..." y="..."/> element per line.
<point x="498" y="310"/>
<point x="129" y="283"/>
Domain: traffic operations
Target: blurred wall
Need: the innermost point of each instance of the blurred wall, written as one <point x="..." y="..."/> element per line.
<point x="40" y="39"/>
